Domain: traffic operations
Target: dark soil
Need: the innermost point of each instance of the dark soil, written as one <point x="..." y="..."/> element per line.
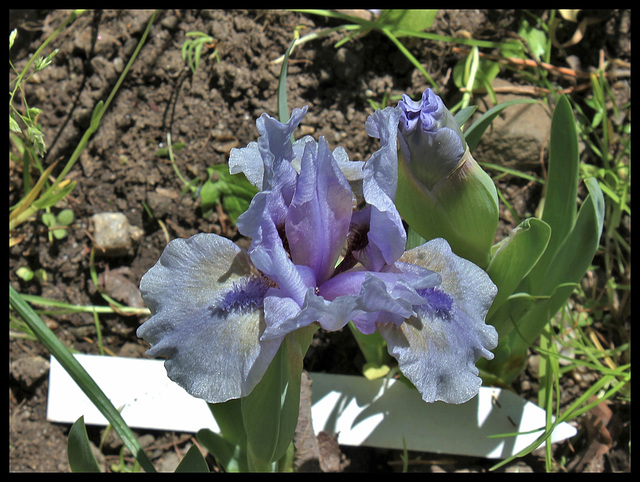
<point x="212" y="111"/>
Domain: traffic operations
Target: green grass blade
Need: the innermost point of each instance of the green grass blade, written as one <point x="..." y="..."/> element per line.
<point x="80" y="376"/>
<point x="411" y="58"/>
<point x="283" y="108"/>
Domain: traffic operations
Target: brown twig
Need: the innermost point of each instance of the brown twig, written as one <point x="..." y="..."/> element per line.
<point x="564" y="71"/>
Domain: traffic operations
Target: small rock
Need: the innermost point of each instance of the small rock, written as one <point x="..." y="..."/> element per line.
<point x="168" y="462"/>
<point x="116" y="284"/>
<point x="533" y="366"/>
<point x="29" y="370"/>
<point x="518" y="136"/>
<point x="132" y="350"/>
<point x="113" y="235"/>
<point x="162" y="201"/>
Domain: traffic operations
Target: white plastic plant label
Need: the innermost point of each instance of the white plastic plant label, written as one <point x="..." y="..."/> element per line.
<point x="381" y="413"/>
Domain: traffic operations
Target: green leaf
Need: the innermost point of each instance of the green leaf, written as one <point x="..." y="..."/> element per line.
<point x="513" y="258"/>
<point x="561" y="278"/>
<point x="561" y="188"/>
<point x="234" y="206"/>
<point x="536" y="39"/>
<point x="13" y="124"/>
<point x="474" y="133"/>
<point x="25" y="273"/>
<point x="228" y="416"/>
<point x="193" y="461"/>
<point x="407" y="19"/>
<point x="232" y="458"/>
<point x="560" y="198"/>
<point x="487" y="71"/>
<point x="573" y="257"/>
<point x="464" y="114"/>
<point x="79" y="453"/>
<point x="209" y="195"/>
<point x="49" y="219"/>
<point x="59" y="233"/>
<point x="234" y="191"/>
<point x="270" y="411"/>
<point x="54" y="194"/>
<point x="12" y="37"/>
<point x="65" y="217"/>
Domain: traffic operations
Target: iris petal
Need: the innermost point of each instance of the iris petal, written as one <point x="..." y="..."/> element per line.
<point x="364" y="296"/>
<point x="207" y="317"/>
<point x="320" y="212"/>
<point x="386" y="236"/>
<point x="437" y="348"/>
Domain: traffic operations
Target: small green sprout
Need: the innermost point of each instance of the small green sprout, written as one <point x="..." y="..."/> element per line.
<point x="58" y="224"/>
<point x="192" y="49"/>
<point x="26" y="274"/>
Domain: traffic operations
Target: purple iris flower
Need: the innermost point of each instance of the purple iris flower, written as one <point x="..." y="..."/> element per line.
<point x="220" y="313"/>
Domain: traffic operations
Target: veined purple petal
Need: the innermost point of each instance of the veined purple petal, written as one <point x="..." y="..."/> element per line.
<point x="273" y="261"/>
<point x="362" y="296"/>
<point x="206" y="300"/>
<point x="320" y="212"/>
<point x="437" y="348"/>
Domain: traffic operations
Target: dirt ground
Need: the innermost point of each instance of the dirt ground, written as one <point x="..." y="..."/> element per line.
<point x="211" y="112"/>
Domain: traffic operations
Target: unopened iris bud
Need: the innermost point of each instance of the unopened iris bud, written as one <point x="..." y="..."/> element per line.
<point x="442" y="191"/>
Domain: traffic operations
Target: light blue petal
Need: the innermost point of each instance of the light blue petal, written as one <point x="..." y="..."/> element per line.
<point x="381" y="170"/>
<point x="437" y="349"/>
<point x="276" y="150"/>
<point x="205" y="298"/>
<point x="386" y="235"/>
<point x="248" y="161"/>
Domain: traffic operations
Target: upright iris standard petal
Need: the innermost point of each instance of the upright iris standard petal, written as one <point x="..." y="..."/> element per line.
<point x="385" y="234"/>
<point x="206" y="301"/>
<point x="437" y="348"/>
<point x="276" y="148"/>
<point x="319" y="215"/>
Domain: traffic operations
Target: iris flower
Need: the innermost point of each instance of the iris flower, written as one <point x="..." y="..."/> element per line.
<point x="220" y="313"/>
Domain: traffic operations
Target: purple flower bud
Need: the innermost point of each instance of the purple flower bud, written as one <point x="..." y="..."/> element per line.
<point x="431" y="141"/>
